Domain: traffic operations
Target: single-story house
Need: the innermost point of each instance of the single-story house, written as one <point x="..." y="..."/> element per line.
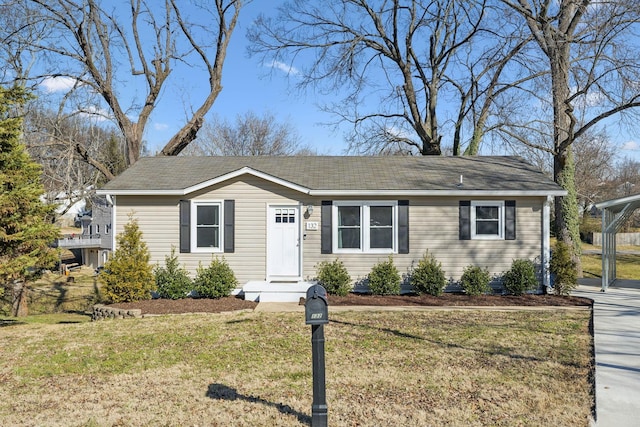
<point x="275" y="218"/>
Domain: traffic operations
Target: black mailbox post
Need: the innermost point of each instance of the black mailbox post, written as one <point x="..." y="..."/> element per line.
<point x="317" y="315"/>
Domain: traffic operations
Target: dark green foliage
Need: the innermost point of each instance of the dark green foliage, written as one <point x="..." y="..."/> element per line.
<point x="563" y="270"/>
<point x="334" y="277"/>
<point x="475" y="280"/>
<point x="26" y="228"/>
<point x="428" y="276"/>
<point x="384" y="278"/>
<point x="215" y="281"/>
<point x="172" y="281"/>
<point x="521" y="277"/>
<point x="569" y="204"/>
<point x="128" y="276"/>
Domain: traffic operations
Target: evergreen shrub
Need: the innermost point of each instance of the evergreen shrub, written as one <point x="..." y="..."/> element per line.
<point x="334" y="277"/>
<point x="384" y="278"/>
<point x="128" y="276"/>
<point x="563" y="270"/>
<point x="172" y="280"/>
<point x="428" y="277"/>
<point x="215" y="281"/>
<point x="475" y="280"/>
<point x="521" y="277"/>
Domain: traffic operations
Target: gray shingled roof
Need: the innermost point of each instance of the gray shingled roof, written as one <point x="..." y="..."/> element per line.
<point x="341" y="174"/>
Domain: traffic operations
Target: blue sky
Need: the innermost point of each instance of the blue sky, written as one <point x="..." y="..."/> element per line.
<point x="250" y="86"/>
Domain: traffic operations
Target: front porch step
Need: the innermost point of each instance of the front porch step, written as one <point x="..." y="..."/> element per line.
<point x="263" y="291"/>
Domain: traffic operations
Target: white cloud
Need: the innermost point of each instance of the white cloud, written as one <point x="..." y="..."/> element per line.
<point x="95" y="113"/>
<point x="57" y="84"/>
<point x="590" y="99"/>
<point x="631" y="146"/>
<point x="287" y="69"/>
<point x="160" y="126"/>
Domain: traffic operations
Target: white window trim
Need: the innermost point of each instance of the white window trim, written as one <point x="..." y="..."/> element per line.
<point x="364" y="226"/>
<point x="194" y="225"/>
<point x="492" y="203"/>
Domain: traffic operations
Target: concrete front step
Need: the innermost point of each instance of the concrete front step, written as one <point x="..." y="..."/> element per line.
<point x="264" y="291"/>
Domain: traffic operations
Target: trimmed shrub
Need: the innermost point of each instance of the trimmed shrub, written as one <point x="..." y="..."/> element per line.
<point x="334" y="277"/>
<point x="128" y="276"/>
<point x="428" y="276"/>
<point x="563" y="269"/>
<point x="215" y="281"/>
<point x="475" y="280"/>
<point x="384" y="278"/>
<point x="521" y="277"/>
<point x="172" y="281"/>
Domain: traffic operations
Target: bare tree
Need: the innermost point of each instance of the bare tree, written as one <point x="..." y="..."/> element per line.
<point x="52" y="138"/>
<point x="110" y="55"/>
<point x="594" y="158"/>
<point x="408" y="58"/>
<point x="249" y="135"/>
<point x="591" y="51"/>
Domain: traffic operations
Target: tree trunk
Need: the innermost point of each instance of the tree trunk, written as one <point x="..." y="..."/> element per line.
<point x="19" y="308"/>
<point x="566" y="207"/>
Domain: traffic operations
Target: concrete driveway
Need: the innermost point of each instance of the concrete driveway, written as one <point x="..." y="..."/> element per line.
<point x="616" y="321"/>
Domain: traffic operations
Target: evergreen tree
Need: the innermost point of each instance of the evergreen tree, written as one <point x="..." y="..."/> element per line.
<point x="128" y="276"/>
<point x="26" y="228"/>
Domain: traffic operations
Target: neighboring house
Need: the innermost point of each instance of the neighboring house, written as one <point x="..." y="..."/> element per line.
<point x="95" y="241"/>
<point x="275" y="218"/>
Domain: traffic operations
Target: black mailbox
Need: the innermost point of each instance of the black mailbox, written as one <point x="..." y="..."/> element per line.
<point x="316" y="306"/>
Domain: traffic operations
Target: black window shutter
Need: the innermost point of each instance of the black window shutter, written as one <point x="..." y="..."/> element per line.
<point x="510" y="220"/>
<point x="229" y="225"/>
<point x="185" y="227"/>
<point x="403" y="226"/>
<point x="465" y="220"/>
<point x="326" y="245"/>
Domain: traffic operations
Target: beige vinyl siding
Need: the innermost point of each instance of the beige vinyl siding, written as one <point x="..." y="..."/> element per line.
<point x="158" y="217"/>
<point x="433" y="226"/>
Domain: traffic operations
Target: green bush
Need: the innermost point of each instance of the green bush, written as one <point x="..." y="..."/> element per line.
<point x="521" y="277"/>
<point x="334" y="277"/>
<point x="563" y="269"/>
<point x="128" y="276"/>
<point x="428" y="276"/>
<point x="384" y="278"/>
<point x="475" y="280"/>
<point x="215" y="281"/>
<point x="172" y="281"/>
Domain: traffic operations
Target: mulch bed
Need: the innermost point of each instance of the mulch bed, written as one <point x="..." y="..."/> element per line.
<point x="204" y="305"/>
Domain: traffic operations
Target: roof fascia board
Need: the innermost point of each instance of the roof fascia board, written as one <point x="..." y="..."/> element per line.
<point x="352" y="193"/>
<point x="417" y="193"/>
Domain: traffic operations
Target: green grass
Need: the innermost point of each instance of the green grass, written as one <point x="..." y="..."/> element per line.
<point x="254" y="369"/>
<point x="54" y="294"/>
<point x="627" y="266"/>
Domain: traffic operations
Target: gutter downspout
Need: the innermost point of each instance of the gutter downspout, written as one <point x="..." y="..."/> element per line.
<point x="546" y="244"/>
<point x="112" y="202"/>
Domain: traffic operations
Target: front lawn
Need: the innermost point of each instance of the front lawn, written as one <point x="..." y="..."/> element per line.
<point x="408" y="368"/>
<point x="627" y="266"/>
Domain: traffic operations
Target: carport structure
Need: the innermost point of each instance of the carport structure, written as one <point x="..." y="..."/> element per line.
<point x="614" y="214"/>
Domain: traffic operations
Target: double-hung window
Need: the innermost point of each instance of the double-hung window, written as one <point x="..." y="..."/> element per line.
<point x="365" y="227"/>
<point x="487" y="219"/>
<point x="206" y="230"/>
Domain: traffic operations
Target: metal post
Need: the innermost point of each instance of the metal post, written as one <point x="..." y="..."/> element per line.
<point x="319" y="406"/>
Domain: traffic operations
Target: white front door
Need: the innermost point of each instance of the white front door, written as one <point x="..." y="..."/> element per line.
<point x="283" y="242"/>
